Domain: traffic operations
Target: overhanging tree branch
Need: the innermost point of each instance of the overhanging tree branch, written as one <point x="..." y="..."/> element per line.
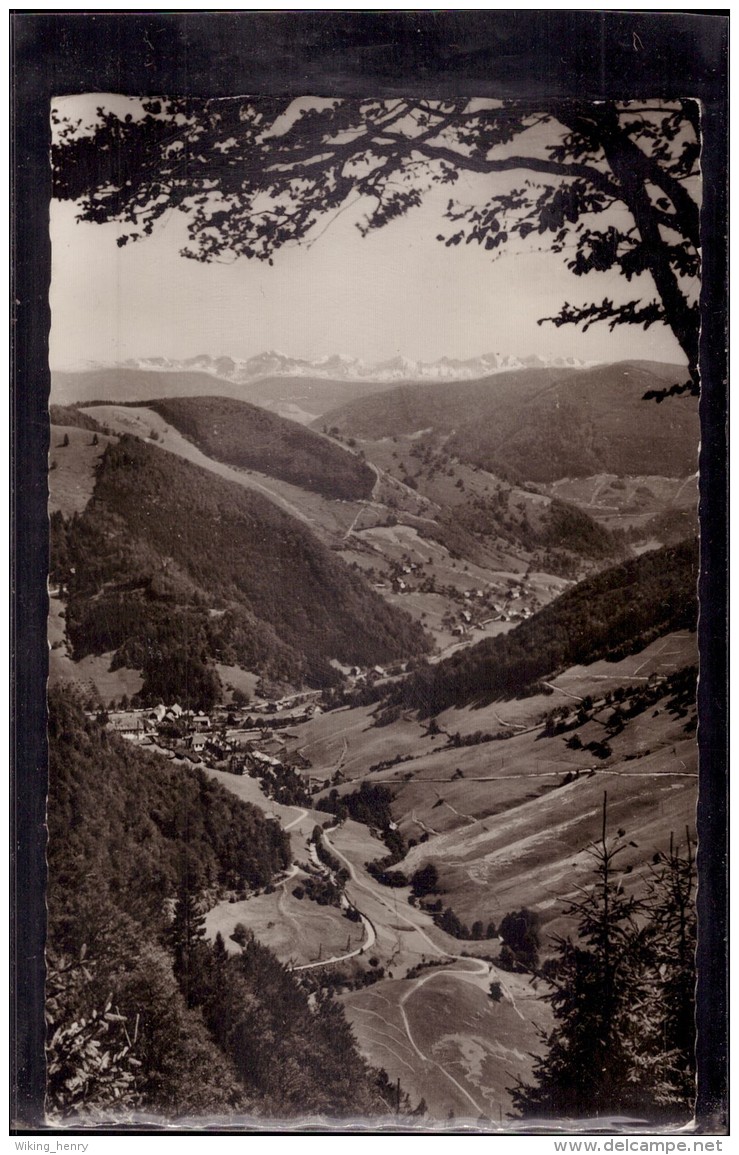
<point x="220" y="161"/>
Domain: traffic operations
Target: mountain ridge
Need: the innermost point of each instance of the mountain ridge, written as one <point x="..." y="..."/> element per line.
<point x="236" y="578"/>
<point x="540" y="424"/>
<point x="249" y="436"/>
<point x="343" y="366"/>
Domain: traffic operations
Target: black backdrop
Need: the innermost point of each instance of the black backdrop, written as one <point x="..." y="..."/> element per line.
<point x="606" y="54"/>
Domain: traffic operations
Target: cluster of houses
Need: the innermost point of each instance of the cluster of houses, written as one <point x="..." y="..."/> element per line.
<point x="398" y="584"/>
<point x="475" y="602"/>
<point x="140" y="724"/>
<point x="302" y="705"/>
<point x="242" y="742"/>
<point x="369" y="676"/>
<point x="196" y="727"/>
<point x="505" y="611"/>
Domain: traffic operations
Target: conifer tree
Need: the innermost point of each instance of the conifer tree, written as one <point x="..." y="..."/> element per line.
<point x="585" y="1069"/>
<point x="622" y="996"/>
<point x="665" y="1059"/>
<point x="186" y="931"/>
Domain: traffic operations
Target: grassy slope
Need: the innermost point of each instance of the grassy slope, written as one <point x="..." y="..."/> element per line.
<point x="92" y="676"/>
<point x="455" y="1047"/>
<point x="518" y="836"/>
<point x="296" y="930"/>
<point x="71" y="416"/>
<point x="475" y="511"/>
<point x="348" y="739"/>
<point x="72" y="475"/>
<point x="510" y="830"/>
<point x="327" y="518"/>
<point x="248" y="437"/>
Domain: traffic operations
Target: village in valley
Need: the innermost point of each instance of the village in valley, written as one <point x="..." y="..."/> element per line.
<point x="250" y="737"/>
<point x="425" y="734"/>
<point x="237" y="739"/>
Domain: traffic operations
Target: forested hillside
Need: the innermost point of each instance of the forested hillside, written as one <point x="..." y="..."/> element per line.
<point x="248" y="437"/>
<point x="171" y="567"/>
<point x="71" y="415"/>
<point x="144" y="1015"/>
<point x="614" y="613"/>
<point x="438" y="405"/>
<point x="542" y="424"/>
<point x="129" y="821"/>
<point x="596" y="421"/>
<point x="554" y="526"/>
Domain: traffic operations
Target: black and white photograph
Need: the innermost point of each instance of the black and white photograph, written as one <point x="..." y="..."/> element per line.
<point x="373" y="649"/>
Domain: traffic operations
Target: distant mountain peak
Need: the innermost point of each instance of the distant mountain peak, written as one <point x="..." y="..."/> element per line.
<point x="274" y="363"/>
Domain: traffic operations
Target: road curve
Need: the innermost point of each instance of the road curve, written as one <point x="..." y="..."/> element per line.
<point x="380" y="899"/>
<point x="369" y="941"/>
<point x="481" y="969"/>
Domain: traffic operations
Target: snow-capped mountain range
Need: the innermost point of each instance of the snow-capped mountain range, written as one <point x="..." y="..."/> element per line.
<point x="341" y="367"/>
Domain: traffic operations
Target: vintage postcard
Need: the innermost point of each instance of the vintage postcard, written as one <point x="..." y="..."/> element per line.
<point x="373" y="651"/>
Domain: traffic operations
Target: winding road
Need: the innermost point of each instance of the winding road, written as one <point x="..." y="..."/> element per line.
<point x="390" y="908"/>
<point x="370" y="939"/>
<point x="482" y="968"/>
<point x="369" y="929"/>
<point x="476" y="970"/>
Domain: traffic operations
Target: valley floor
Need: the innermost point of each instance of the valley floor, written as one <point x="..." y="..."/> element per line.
<point x="503" y="799"/>
<point x="511" y="830"/>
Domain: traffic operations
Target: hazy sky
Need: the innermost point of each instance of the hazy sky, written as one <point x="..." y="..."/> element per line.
<point x="396" y="291"/>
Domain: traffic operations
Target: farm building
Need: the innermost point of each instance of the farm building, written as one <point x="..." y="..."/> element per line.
<point x="127" y="723"/>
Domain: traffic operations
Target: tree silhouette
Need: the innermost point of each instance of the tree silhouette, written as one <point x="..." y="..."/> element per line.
<point x="610" y="186"/>
<point x="622" y="996"/>
<point x="519" y="931"/>
<point x="666" y="1008"/>
<point x="185" y="933"/>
